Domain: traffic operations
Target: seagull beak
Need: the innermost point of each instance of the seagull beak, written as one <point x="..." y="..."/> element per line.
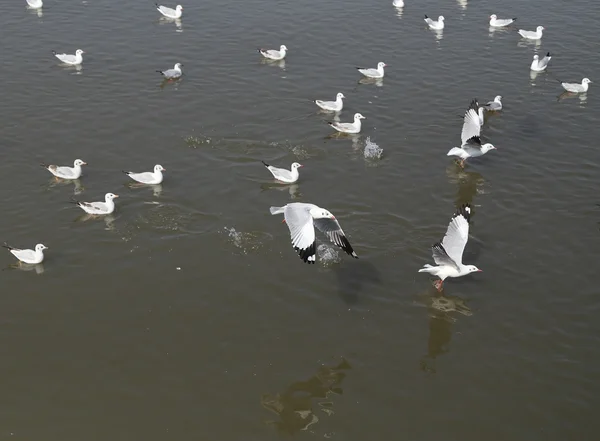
<point x="283" y="221"/>
<point x="300" y="165"/>
<point x="116" y="195"/>
<point x="85" y="163"/>
<point x="479" y="271"/>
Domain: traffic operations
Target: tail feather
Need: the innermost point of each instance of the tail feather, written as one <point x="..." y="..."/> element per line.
<point x="514" y="18"/>
<point x="74" y="201"/>
<point x="455" y="151"/>
<point x="44" y="165"/>
<point x="160" y="72"/>
<point x="126" y="172"/>
<point x="277" y="210"/>
<point x="266" y="165"/>
<point x="426" y="16"/>
<point x="5" y="245"/>
<point x="53" y="52"/>
<point x="427" y="268"/>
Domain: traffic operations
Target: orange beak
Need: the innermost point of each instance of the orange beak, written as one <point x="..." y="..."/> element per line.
<point x="283" y="221"/>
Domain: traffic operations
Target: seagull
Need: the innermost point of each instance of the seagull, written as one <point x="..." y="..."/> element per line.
<point x="301" y="219"/>
<point x="373" y="73"/>
<point x="73" y="60"/>
<point x="448" y="253"/>
<point x="66" y="172"/>
<point x="106" y="207"/>
<point x="283" y="175"/>
<point x="500" y="23"/>
<point x="437" y="25"/>
<point x="332" y="106"/>
<point x="576" y="87"/>
<point x="169" y="12"/>
<point x="172" y="74"/>
<point x="28" y="256"/>
<point x="398" y="3"/>
<point x="494" y="106"/>
<point x="471" y="142"/>
<point x="150" y="178"/>
<point x="531" y="35"/>
<point x="274" y="54"/>
<point x="35" y="4"/>
<point x="538" y="65"/>
<point x="353" y="127"/>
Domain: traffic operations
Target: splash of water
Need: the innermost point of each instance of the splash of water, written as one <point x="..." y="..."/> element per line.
<point x="372" y="150"/>
<point x="328" y="255"/>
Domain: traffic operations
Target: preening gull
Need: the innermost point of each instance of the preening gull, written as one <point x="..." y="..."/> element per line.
<point x="495" y="22"/>
<point x="106" y="207"/>
<point x="172" y="74"/>
<point x="274" y="54"/>
<point x="448" y="253"/>
<point x="353" y="127"/>
<point x="532" y="35"/>
<point x="576" y="87"/>
<point x="332" y="106"/>
<point x="436" y="25"/>
<point x="538" y="65"/>
<point x="151" y="178"/>
<point x="66" y="172"/>
<point x="28" y="256"/>
<point x="494" y="106"/>
<point x="169" y="12"/>
<point x="35" y="4"/>
<point x="302" y="219"/>
<point x="373" y="73"/>
<point x="283" y="175"/>
<point x="73" y="60"/>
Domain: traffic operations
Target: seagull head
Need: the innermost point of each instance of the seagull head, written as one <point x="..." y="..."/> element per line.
<point x="472" y="269"/>
<point x="321" y="213"/>
<point x="493" y="17"/>
<point x="282" y="48"/>
<point x="536" y="57"/>
<point x="177" y="66"/>
<point x="179" y="8"/>
<point x="441" y="18"/>
<point x="586" y="81"/>
<point x="40" y="247"/>
<point x="159" y="168"/>
<point x="498" y="98"/>
<point x="79" y="163"/>
<point x="381" y="65"/>
<point x="295" y="165"/>
<point x="79" y="52"/>
<point x="540" y="29"/>
<point x="487" y="147"/>
<point x="358" y="116"/>
<point x="110" y="196"/>
<point x="340" y="96"/>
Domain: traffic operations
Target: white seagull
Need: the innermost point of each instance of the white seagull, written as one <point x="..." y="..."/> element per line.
<point x="353" y="127"/>
<point x="448" y="253"/>
<point x="66" y="172"/>
<point x="169" y="12"/>
<point x="28" y="256"/>
<point x="150" y="178"/>
<point x="532" y="35"/>
<point x="274" y="54"/>
<point x="398" y="3"/>
<point x="433" y="24"/>
<point x="576" y="87"/>
<point x="494" y="106"/>
<point x="106" y="207"/>
<point x="332" y="106"/>
<point x="495" y="22"/>
<point x="73" y="60"/>
<point x="538" y="65"/>
<point x="172" y="74"/>
<point x="302" y="219"/>
<point x="373" y="73"/>
<point x="471" y="146"/>
<point x="283" y="175"/>
<point x="35" y="4"/>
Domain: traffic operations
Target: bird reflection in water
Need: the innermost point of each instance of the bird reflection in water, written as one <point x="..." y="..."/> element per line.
<point x="276" y="63"/>
<point x="38" y="267"/>
<point x="77" y="187"/>
<point x="469" y="183"/>
<point x="293" y="189"/>
<point x="295" y="406"/>
<point x="567" y="95"/>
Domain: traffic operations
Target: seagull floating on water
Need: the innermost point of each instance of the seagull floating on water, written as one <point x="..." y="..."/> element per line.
<point x="283" y="175"/>
<point x="73" y="60"/>
<point x="150" y="178"/>
<point x="169" y="12"/>
<point x="436" y="25"/>
<point x="471" y="142"/>
<point x="172" y="74"/>
<point x="332" y="106"/>
<point x="576" y="87"/>
<point x="494" y="106"/>
<point x="302" y="219"/>
<point x="35" y="4"/>
<point x="532" y="35"/>
<point x="373" y="73"/>
<point x="274" y="54"/>
<point x="106" y="207"/>
<point x="353" y="127"/>
<point x="538" y="65"/>
<point x="66" y="172"/>
<point x="448" y="253"/>
<point x="28" y="256"/>
<point x="495" y="22"/>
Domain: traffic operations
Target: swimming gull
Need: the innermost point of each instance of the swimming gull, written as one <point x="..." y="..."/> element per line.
<point x="373" y="73"/>
<point x="28" y="256"/>
<point x="532" y="35"/>
<point x="73" y="60"/>
<point x="283" y="175"/>
<point x="448" y="253"/>
<point x="433" y="24"/>
<point x="576" y="87"/>
<point x="274" y="54"/>
<point x="172" y="74"/>
<point x="151" y="178"/>
<point x="496" y="22"/>
<point x="35" y="4"/>
<point x="106" y="207"/>
<point x="332" y="106"/>
<point x="169" y="12"/>
<point x="494" y="106"/>
<point x="302" y="219"/>
<point x="353" y="127"/>
<point x="66" y="172"/>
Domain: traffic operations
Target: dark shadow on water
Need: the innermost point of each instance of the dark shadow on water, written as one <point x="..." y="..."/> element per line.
<point x="295" y="406"/>
<point x="292" y="189"/>
<point x="469" y="184"/>
<point x="355" y="277"/>
<point x="38" y="268"/>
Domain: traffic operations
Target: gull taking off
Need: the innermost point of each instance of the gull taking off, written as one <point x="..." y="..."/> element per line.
<point x="35" y="4"/>
<point x="471" y="143"/>
<point x="73" y="60"/>
<point x="494" y="106"/>
<point x="274" y="54"/>
<point x="495" y="22"/>
<point x="531" y="35"/>
<point x="448" y="253"/>
<point x="172" y="74"/>
<point x="332" y="106"/>
<point x="373" y="73"/>
<point x="66" y="172"/>
<point x="436" y="25"/>
<point x="28" y="256"/>
<point x="302" y="219"/>
<point x="353" y="127"/>
<point x="283" y="175"/>
<point x="538" y="65"/>
<point x="169" y="12"/>
<point x="150" y="178"/>
<point x="106" y="207"/>
<point x="576" y="87"/>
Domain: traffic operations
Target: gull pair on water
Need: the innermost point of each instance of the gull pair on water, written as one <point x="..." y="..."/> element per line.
<point x="302" y="219"/>
<point x="172" y="74"/>
<point x="436" y="25"/>
<point x="31" y="257"/>
<point x="532" y="35"/>
<point x="373" y="73"/>
<point x="73" y="60"/>
<point x="284" y="175"/>
<point x="351" y="128"/>
<point x="169" y="12"/>
<point x="274" y="54"/>
<point x="448" y="253"/>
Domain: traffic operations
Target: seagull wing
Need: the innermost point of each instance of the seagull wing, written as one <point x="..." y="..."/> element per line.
<point x="440" y="256"/>
<point x="544" y="61"/>
<point x="302" y="231"/>
<point x="456" y="237"/>
<point x="332" y="229"/>
<point x="471" y="125"/>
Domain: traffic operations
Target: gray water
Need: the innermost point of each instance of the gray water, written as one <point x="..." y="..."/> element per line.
<point x="187" y="314"/>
